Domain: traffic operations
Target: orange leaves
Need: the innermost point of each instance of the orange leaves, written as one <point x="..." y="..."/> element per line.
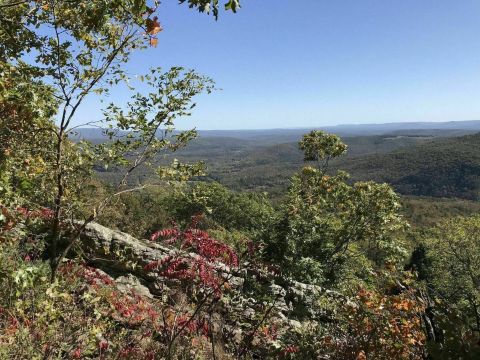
<point x="328" y="340"/>
<point x="404" y="304"/>
<point x="169" y="317"/>
<point x="391" y="322"/>
<point x="361" y="356"/>
<point x="153" y="27"/>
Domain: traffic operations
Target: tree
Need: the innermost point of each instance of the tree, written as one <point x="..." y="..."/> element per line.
<point x="453" y="276"/>
<point x="248" y="212"/>
<point x="79" y="49"/>
<point x="321" y="147"/>
<point x="26" y="137"/>
<point x="326" y="219"/>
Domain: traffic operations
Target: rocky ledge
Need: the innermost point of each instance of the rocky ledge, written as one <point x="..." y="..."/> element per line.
<point x="124" y="258"/>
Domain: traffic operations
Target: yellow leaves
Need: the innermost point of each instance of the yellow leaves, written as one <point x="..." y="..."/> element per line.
<point x="53" y="293"/>
<point x="390" y="266"/>
<point x="170" y="317"/>
<point x="154" y="42"/>
<point x="411" y="340"/>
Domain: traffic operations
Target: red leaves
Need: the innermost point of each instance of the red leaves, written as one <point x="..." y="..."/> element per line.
<point x="199" y="269"/>
<point x="193" y="325"/>
<point x="200" y="242"/>
<point x="183" y="267"/>
<point x="42" y="213"/>
<point x="133" y="308"/>
<point x="170" y="233"/>
<point x="103" y="345"/>
<point x="94" y="276"/>
<point x="77" y="354"/>
<point x="291" y="349"/>
<point x="13" y="216"/>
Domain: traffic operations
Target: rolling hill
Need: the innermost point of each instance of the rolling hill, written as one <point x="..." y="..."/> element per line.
<point x="422" y="166"/>
<point x="440" y="168"/>
<point x="420" y="159"/>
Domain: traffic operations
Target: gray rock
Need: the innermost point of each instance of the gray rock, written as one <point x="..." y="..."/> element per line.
<point x="129" y="282"/>
<point x="122" y="254"/>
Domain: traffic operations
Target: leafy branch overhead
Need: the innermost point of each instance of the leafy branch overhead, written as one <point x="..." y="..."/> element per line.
<point x="212" y="6"/>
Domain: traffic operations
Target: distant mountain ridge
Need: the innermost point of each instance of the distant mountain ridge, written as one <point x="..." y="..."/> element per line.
<point x="461" y="127"/>
<point x="277" y="136"/>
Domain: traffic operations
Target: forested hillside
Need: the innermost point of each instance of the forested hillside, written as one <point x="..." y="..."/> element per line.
<point x="440" y="168"/>
<point x="415" y="165"/>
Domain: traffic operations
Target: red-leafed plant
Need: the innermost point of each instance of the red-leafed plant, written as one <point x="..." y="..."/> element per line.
<point x="41" y="213"/>
<point x="11" y="217"/>
<point x="203" y="267"/>
<point x="199" y="260"/>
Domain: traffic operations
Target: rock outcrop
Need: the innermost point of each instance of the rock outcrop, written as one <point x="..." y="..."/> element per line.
<point x="124" y="257"/>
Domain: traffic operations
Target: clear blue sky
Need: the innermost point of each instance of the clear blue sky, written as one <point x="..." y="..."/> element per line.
<point x="307" y="63"/>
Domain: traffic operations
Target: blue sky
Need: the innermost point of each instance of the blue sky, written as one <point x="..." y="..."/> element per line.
<point x="308" y="63"/>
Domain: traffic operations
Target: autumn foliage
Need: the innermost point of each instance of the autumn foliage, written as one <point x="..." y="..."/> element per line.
<point x="201" y="268"/>
<point x="381" y="327"/>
